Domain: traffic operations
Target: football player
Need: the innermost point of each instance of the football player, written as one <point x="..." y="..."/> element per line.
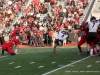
<point x="8" y="46"/>
<point x="92" y="35"/>
<point x="84" y="34"/>
<point x="62" y="35"/>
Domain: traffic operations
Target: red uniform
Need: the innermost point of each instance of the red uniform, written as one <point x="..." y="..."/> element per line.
<point x="98" y="35"/>
<point x="16" y="41"/>
<point x="14" y="33"/>
<point x="7" y="46"/>
<point x="84" y="32"/>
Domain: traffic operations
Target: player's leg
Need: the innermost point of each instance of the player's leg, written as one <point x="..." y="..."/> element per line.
<point x="88" y="49"/>
<point x="79" y="45"/>
<point x="10" y="51"/>
<point x="55" y="45"/>
<point x="16" y="48"/>
<point x="2" y="52"/>
<point x="3" y="49"/>
<point x="97" y="46"/>
<point x="89" y="39"/>
<point x="95" y="51"/>
<point x="92" y="44"/>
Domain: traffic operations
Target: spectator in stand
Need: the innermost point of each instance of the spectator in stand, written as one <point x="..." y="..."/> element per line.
<point x="72" y="3"/>
<point x="68" y="2"/>
<point x="38" y="7"/>
<point x="50" y="33"/>
<point x="76" y="36"/>
<point x="52" y="2"/>
<point x="1" y="39"/>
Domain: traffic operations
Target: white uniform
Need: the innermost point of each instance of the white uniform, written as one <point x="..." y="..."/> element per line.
<point x="93" y="26"/>
<point x="62" y="35"/>
<point x="92" y="36"/>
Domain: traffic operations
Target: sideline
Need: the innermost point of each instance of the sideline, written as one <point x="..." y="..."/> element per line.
<point x="66" y="66"/>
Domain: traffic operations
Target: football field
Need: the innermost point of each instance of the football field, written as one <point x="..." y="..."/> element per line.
<point x="42" y="61"/>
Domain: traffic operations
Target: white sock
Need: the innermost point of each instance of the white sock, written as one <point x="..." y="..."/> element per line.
<point x="91" y="51"/>
<point x="15" y="50"/>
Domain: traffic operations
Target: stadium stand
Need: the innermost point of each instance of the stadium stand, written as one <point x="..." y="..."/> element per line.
<point x="38" y="19"/>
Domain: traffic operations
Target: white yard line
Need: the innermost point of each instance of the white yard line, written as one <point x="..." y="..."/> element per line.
<point x="3" y="56"/>
<point x="66" y="66"/>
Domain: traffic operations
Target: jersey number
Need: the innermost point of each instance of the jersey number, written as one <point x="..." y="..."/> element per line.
<point x="62" y="36"/>
<point x="93" y="25"/>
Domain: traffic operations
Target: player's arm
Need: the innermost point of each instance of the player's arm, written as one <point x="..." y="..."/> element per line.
<point x="86" y="25"/>
<point x="13" y="46"/>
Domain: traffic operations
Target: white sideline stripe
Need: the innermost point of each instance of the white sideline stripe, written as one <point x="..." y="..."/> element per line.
<point x="65" y="66"/>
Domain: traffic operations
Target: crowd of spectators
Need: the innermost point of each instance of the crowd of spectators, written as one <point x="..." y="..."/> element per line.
<point x="33" y="30"/>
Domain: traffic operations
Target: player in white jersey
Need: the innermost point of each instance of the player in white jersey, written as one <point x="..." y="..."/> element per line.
<point x="92" y="35"/>
<point x="62" y="35"/>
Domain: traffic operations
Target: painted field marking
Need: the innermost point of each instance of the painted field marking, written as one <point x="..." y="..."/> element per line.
<point x="66" y="66"/>
<point x="31" y="62"/>
<point x="71" y="65"/>
<point x="72" y="61"/>
<point x="40" y="66"/>
<point x="53" y="62"/>
<point x="17" y="66"/>
<point x="97" y="62"/>
<point x="11" y="62"/>
<point x="89" y="66"/>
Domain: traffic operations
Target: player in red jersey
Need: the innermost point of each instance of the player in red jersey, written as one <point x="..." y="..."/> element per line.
<point x="17" y="42"/>
<point x="98" y="36"/>
<point x="15" y="32"/>
<point x="8" y="46"/>
<point x="84" y="34"/>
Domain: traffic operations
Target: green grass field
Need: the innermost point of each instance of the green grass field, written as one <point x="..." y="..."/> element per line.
<point x="42" y="61"/>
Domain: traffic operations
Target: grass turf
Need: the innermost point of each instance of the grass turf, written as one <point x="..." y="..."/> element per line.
<point x="37" y="61"/>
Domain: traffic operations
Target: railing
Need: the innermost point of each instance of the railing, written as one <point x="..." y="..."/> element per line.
<point x="86" y="11"/>
<point x="89" y="10"/>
